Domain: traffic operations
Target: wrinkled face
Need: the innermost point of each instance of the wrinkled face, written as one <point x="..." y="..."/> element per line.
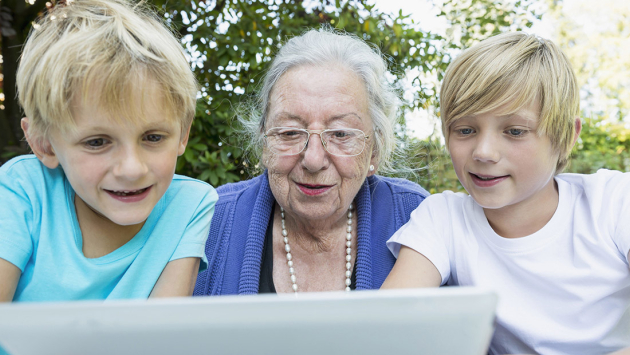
<point x="501" y="161"/>
<point x="314" y="184"/>
<point x="120" y="170"/>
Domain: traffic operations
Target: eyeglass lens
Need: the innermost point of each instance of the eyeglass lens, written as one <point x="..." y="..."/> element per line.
<point x="290" y="141"/>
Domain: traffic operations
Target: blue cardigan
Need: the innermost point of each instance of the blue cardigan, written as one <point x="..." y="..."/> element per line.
<point x="241" y="216"/>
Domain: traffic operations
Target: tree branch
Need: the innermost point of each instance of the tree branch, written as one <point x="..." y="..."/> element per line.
<point x="30" y="14"/>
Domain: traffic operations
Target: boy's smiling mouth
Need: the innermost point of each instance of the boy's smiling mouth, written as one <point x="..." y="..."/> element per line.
<point x="128" y="193"/>
<point x="487" y="180"/>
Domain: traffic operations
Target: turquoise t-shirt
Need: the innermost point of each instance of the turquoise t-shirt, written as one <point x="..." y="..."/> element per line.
<point x="40" y="234"/>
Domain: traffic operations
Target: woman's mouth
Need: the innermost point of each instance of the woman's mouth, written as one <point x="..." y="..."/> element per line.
<point x="129" y="195"/>
<point x="312" y="189"/>
<point x="487" y="180"/>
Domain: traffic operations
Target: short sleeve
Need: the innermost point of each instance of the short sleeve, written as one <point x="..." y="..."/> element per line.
<point x="193" y="241"/>
<point x="16" y="215"/>
<point x="427" y="233"/>
<point x="620" y="207"/>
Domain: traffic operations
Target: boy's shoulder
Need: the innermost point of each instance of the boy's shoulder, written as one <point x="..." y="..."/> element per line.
<point x="192" y="187"/>
<point x="21" y="163"/>
<point x="604" y="183"/>
<point x="450" y="198"/>
<point x="27" y="173"/>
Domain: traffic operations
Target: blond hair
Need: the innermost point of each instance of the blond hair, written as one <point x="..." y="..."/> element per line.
<point x="510" y="71"/>
<point x="112" y="48"/>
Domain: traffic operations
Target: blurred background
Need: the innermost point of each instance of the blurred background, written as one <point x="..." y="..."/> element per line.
<point x="231" y="42"/>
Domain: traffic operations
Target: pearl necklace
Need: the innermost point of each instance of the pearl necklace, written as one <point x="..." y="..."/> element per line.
<point x="287" y="248"/>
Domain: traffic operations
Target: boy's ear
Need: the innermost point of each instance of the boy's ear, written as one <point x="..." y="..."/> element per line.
<point x="40" y="146"/>
<point x="183" y="141"/>
<point x="578" y="129"/>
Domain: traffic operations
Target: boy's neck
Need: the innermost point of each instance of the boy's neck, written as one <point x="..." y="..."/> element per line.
<point x="100" y="235"/>
<point x="526" y="217"/>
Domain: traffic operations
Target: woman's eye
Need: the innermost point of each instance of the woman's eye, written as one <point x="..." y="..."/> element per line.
<point x="153" y="138"/>
<point x="341" y="134"/>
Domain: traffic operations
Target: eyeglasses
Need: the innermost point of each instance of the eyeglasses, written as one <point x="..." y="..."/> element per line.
<point x="343" y="142"/>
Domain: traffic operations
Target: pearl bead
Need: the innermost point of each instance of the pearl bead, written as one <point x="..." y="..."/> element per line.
<point x="287" y="248"/>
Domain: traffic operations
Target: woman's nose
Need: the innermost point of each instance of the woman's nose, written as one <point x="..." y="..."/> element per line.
<point x="315" y="156"/>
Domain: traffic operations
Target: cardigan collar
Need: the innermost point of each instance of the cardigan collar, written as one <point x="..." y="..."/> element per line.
<point x="252" y="258"/>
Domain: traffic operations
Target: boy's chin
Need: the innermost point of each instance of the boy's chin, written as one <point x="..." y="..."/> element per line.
<point x="127" y="220"/>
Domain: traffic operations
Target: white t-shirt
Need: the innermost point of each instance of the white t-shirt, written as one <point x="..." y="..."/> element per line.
<point x="562" y="290"/>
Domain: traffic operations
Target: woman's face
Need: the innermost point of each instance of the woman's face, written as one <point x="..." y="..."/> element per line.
<point x="316" y="185"/>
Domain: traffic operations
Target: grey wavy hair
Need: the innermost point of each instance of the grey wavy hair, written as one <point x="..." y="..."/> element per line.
<point x="320" y="47"/>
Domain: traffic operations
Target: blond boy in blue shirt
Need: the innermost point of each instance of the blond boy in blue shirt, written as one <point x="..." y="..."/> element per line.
<point x="97" y="212"/>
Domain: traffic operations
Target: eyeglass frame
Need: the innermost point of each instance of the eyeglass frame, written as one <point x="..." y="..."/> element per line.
<point x="321" y="138"/>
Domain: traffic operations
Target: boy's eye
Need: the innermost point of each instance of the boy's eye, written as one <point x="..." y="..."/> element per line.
<point x="153" y="138"/>
<point x="465" y="131"/>
<point x="95" y="143"/>
<point x="516" y="132"/>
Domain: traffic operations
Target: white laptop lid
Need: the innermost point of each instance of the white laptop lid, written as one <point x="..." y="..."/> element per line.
<point x="451" y="320"/>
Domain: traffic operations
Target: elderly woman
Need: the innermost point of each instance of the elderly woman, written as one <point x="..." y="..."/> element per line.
<point x="318" y="218"/>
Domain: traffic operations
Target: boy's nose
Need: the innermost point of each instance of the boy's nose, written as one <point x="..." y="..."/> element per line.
<point x="130" y="165"/>
<point x="314" y="156"/>
<point x="486" y="149"/>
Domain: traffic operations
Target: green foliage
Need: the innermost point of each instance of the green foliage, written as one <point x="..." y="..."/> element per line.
<point x="232" y="42"/>
<point x="474" y="20"/>
<point x="601" y="145"/>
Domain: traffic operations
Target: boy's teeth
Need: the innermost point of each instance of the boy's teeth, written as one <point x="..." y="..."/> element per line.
<point x="485" y="178"/>
<point x="127" y="192"/>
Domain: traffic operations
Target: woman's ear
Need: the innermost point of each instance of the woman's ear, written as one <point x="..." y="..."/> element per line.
<point x="40" y="146"/>
<point x="373" y="164"/>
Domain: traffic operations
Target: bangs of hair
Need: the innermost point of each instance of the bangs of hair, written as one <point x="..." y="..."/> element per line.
<point x="117" y="50"/>
<point x="508" y="72"/>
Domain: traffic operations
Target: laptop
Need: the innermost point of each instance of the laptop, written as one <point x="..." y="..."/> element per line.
<point x="450" y="320"/>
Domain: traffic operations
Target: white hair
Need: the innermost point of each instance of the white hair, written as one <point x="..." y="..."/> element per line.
<point x="323" y="47"/>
